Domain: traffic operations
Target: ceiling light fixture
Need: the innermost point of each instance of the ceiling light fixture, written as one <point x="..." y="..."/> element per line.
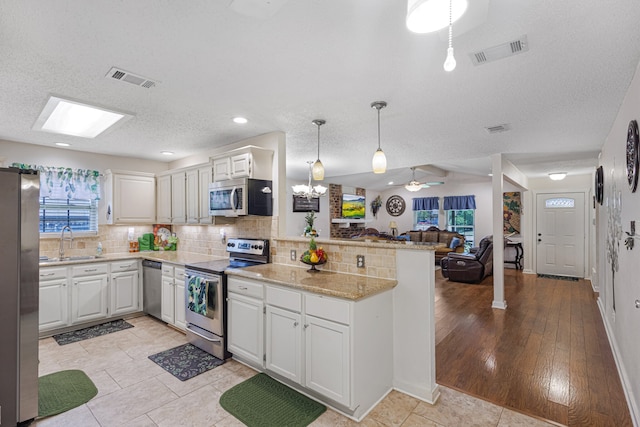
<point x="558" y="176"/>
<point x="413" y="185"/>
<point x="318" y="168"/>
<point x="379" y="161"/>
<point x="426" y="16"/>
<point x="450" y="62"/>
<point x="62" y="144"/>
<point x="240" y="120"/>
<point x="308" y="191"/>
<point x="75" y="118"/>
<point x="167" y="153"/>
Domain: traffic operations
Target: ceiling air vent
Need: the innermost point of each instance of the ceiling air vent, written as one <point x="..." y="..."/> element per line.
<point x="498" y="128"/>
<point x="126" y="76"/>
<point x="503" y="50"/>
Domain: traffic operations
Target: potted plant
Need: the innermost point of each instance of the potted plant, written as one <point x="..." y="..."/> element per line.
<point x="309" y="230"/>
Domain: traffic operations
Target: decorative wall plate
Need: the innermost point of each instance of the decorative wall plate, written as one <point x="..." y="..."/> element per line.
<point x="599" y="185"/>
<point x="395" y="205"/>
<point x="632" y="155"/>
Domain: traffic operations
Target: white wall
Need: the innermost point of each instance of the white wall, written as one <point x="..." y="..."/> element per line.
<point x="622" y="324"/>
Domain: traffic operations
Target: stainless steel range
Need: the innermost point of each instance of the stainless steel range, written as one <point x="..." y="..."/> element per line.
<point x="206" y="293"/>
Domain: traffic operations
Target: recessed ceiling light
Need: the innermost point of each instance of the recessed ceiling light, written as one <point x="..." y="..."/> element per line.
<point x="390" y="183"/>
<point x="425" y="16"/>
<point x="62" y="144"/>
<point x="167" y="153"/>
<point x="240" y="120"/>
<point x="76" y="118"/>
<point x="557" y="176"/>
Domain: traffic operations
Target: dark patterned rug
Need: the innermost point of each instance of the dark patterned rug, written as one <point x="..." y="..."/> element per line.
<point x="92" y="332"/>
<point x="551" y="276"/>
<point x="185" y="361"/>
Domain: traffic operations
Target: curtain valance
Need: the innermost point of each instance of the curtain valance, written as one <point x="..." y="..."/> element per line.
<point x="426" y="203"/>
<point x="66" y="183"/>
<point x="459" y="202"/>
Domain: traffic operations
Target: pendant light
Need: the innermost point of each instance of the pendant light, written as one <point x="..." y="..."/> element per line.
<point x="318" y="168"/>
<point x="379" y="162"/>
<point x="450" y="62"/>
<point x="307" y="191"/>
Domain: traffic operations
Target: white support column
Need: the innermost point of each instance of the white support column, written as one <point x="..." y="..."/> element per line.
<point x="498" y="235"/>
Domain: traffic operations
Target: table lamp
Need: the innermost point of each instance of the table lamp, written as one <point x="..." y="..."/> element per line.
<point x="394" y="228"/>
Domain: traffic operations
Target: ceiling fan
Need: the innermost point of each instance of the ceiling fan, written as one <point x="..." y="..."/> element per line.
<point x="414" y="185"/>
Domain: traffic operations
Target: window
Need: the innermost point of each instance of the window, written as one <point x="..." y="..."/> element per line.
<point x="425" y="219"/>
<point x="461" y="217"/>
<point x="67" y="197"/>
<point x="462" y="221"/>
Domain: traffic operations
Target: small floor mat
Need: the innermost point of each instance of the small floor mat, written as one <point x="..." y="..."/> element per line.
<point x="551" y="276"/>
<point x="262" y="401"/>
<point x="92" y="332"/>
<point x="64" y="390"/>
<point x="185" y="361"/>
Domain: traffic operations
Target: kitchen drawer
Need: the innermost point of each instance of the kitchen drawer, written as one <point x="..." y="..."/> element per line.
<point x="167" y="269"/>
<point x="179" y="273"/>
<point x="89" y="269"/>
<point x="245" y="287"/>
<point x="124" y="265"/>
<point x="53" y="273"/>
<point x="327" y="308"/>
<point x="284" y="298"/>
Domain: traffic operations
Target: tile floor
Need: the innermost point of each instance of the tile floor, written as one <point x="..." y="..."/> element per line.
<point x="134" y="391"/>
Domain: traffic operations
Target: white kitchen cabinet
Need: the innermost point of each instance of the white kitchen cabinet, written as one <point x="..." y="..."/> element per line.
<point x="130" y="197"/>
<point x="246" y="162"/>
<point x="54" y="298"/>
<point x="163" y="199"/>
<point x="173" y="306"/>
<point x="192" y="196"/>
<point x="283" y="343"/>
<point x="328" y="358"/>
<point x="124" y="287"/>
<point x="245" y="315"/>
<point x="178" y="198"/>
<point x="89" y="298"/>
<point x="205" y="177"/>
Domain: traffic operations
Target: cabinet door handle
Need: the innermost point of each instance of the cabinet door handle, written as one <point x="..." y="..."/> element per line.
<point x="306" y="326"/>
<point x="126" y="266"/>
<point x="47" y="274"/>
<point x="243" y="288"/>
<point x="89" y="270"/>
<point x="295" y="324"/>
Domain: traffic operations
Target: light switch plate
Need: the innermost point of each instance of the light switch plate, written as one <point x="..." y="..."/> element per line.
<point x="360" y="261"/>
<point x="293" y="255"/>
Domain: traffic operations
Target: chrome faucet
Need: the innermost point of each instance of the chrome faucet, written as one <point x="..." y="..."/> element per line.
<point x="62" y="239"/>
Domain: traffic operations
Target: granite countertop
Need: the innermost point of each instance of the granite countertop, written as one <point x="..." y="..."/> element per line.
<point x="341" y="285"/>
<point x="368" y="242"/>
<point x="175" y="257"/>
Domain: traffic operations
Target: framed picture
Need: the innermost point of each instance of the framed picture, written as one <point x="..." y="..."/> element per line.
<point x="302" y="204"/>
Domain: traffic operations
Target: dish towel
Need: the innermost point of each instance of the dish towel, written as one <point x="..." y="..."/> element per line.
<point x="197" y="291"/>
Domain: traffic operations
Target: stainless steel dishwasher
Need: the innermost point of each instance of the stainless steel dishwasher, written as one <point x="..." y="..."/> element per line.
<point x="152" y="288"/>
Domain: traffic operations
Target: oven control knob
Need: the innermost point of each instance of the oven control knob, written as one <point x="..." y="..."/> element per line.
<point x="231" y="245"/>
<point x="260" y="247"/>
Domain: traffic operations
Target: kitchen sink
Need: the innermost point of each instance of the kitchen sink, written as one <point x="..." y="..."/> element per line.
<point x="68" y="258"/>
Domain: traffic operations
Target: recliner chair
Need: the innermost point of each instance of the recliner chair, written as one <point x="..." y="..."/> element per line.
<point x="471" y="267"/>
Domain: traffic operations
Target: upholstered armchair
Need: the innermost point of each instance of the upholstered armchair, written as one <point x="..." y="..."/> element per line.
<point x="471" y="267"/>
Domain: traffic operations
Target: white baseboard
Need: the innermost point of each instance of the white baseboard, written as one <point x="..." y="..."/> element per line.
<point x="622" y="372"/>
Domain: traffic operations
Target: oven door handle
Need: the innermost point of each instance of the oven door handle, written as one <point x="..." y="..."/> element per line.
<point x="202" y="336"/>
<point x="234" y="199"/>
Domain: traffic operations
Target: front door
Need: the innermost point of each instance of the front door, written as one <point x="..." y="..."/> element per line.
<point x="560" y="234"/>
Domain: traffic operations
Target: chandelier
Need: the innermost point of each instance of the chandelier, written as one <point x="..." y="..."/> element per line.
<point x="308" y="191"/>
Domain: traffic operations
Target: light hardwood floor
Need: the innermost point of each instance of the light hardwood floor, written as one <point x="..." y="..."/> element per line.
<point x="546" y="355"/>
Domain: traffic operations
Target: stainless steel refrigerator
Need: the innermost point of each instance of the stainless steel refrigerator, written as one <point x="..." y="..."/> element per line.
<point x="19" y="257"/>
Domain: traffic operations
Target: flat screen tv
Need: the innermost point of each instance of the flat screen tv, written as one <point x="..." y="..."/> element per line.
<point x="353" y="206"/>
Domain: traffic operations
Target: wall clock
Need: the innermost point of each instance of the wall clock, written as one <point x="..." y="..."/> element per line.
<point x="600" y="185"/>
<point x="632" y="155"/>
<point x="395" y="205"/>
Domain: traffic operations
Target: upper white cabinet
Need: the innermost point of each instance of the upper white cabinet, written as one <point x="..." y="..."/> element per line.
<point x="163" y="199"/>
<point x="193" y="197"/>
<point x="130" y="197"/>
<point x="205" y="177"/>
<point x="178" y="198"/>
<point x="245" y="162"/>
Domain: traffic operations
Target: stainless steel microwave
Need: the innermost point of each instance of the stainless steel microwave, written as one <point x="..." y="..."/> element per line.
<point x="237" y="197"/>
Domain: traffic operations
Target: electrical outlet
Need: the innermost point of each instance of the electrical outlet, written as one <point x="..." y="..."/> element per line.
<point x="360" y="261"/>
<point x="292" y="254"/>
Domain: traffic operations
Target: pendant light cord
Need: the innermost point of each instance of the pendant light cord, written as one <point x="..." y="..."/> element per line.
<point x="450" y="23"/>
<point x="378" y="108"/>
<point x="318" y="141"/>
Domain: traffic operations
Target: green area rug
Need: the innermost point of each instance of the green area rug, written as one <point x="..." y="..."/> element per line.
<point x="262" y="401"/>
<point x="64" y="390"/>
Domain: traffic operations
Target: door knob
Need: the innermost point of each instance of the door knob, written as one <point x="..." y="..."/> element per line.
<point x="638" y="303"/>
<point x="539" y="240"/>
<point x="539" y="234"/>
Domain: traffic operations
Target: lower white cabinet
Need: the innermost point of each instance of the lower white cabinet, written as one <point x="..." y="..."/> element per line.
<point x="245" y="320"/>
<point x="330" y="348"/>
<point x="173" y="306"/>
<point x="125" y="287"/>
<point x="89" y="298"/>
<point x="54" y="298"/>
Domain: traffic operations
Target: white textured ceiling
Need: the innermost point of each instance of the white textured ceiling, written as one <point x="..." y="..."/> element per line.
<point x="326" y="59"/>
